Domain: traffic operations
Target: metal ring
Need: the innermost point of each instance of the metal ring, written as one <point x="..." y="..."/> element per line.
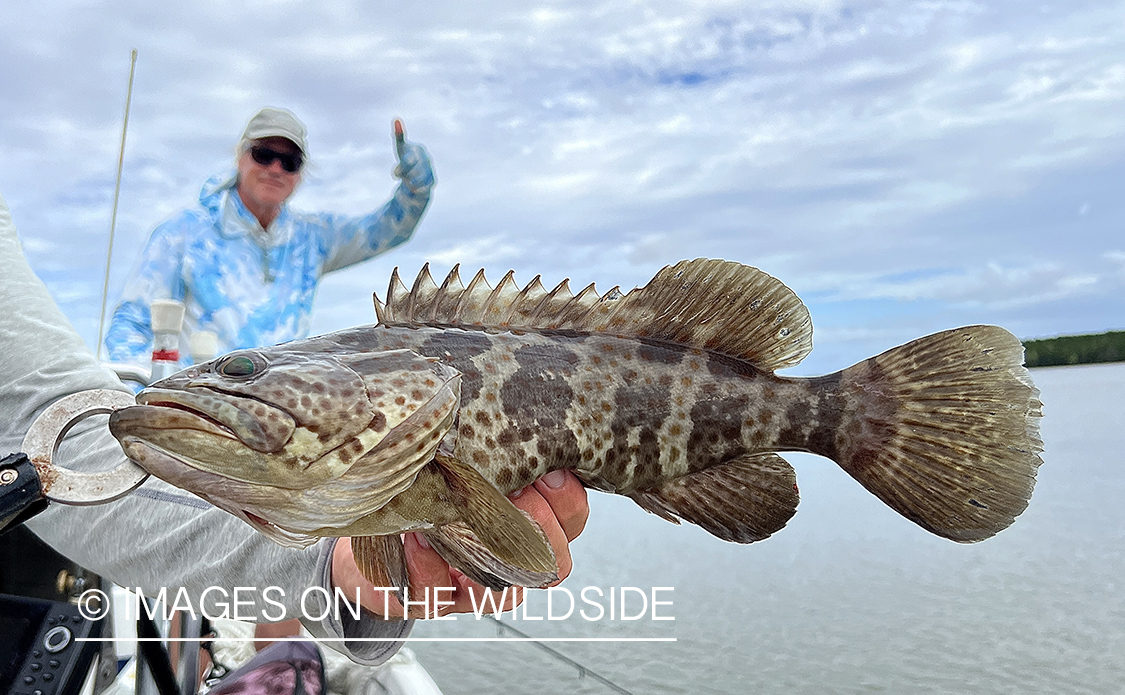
<point x="41" y="444"/>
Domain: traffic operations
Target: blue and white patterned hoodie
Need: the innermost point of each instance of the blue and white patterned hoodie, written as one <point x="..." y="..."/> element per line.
<point x="249" y="286"/>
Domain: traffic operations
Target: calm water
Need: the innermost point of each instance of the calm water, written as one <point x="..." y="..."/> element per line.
<point x="850" y="598"/>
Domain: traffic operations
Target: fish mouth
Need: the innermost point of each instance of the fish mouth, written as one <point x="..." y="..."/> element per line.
<point x="258" y="425"/>
<point x="133" y="420"/>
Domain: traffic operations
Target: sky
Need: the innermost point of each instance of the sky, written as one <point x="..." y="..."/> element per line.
<point x="904" y="167"/>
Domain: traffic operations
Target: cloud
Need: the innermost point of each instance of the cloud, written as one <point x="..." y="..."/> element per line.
<point x="907" y="155"/>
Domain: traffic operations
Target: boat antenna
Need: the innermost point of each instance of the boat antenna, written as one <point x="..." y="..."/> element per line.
<point x="116" y="195"/>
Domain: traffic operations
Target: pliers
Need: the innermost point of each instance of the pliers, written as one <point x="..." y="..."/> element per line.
<point x="30" y="479"/>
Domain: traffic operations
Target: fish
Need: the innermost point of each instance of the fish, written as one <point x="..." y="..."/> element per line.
<point x="667" y="394"/>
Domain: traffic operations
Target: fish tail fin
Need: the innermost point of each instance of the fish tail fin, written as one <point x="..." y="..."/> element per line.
<point x="945" y="430"/>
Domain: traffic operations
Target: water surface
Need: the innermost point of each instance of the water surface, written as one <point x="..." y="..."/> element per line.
<point x="850" y="597"/>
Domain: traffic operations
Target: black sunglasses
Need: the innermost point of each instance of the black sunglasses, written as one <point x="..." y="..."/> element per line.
<point x="264" y="155"/>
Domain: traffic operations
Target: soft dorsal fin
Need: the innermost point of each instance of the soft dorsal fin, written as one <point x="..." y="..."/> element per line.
<point x="714" y="304"/>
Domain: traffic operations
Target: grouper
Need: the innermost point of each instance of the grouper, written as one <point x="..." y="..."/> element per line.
<point x="667" y="394"/>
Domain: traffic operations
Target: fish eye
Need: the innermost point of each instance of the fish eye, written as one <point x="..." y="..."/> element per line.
<point x="238" y="366"/>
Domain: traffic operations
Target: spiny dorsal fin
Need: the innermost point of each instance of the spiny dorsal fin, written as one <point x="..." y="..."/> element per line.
<point x="719" y="305"/>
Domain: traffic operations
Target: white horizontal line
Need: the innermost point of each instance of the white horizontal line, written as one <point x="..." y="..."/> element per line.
<point x="376" y="639"/>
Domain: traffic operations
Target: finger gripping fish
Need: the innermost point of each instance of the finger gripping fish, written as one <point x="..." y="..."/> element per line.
<point x="666" y="394"/>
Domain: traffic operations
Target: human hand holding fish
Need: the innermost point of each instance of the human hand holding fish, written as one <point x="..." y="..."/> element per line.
<point x="556" y="502"/>
<point x="667" y="394"/>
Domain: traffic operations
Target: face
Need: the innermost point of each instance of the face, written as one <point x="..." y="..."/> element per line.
<point x="266" y="186"/>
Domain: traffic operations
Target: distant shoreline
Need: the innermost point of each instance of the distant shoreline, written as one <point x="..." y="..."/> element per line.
<point x="1075" y="349"/>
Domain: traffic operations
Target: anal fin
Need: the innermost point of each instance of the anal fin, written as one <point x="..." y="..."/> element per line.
<point x="743" y="500"/>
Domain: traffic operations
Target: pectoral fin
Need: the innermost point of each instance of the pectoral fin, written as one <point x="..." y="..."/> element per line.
<point x="381" y="560"/>
<point x="494" y="543"/>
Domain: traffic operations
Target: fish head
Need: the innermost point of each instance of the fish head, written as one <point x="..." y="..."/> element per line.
<point x="283" y="417"/>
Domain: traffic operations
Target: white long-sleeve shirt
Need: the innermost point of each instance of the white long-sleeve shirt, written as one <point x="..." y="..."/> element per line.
<point x="157" y="537"/>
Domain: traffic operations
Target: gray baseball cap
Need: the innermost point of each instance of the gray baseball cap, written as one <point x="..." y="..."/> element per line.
<point x="271" y="122"/>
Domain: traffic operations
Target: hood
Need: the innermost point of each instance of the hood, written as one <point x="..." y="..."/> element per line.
<point x="215" y="191"/>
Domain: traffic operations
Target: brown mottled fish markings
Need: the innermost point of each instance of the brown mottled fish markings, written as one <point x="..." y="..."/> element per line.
<point x="666" y="393"/>
<point x="625" y="414"/>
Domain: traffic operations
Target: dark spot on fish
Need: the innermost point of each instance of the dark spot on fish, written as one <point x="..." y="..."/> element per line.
<point x="798" y="417"/>
<point x="458" y="348"/>
<point x="398" y="383"/>
<point x="379" y="422"/>
<point x="504" y="478"/>
<point x="306" y="401"/>
<point x="482" y="417"/>
<point x="507" y="437"/>
<point x="716" y="434"/>
<point x="467" y="431"/>
<point x="490" y="442"/>
<point x="640" y="408"/>
<point x="559" y="448"/>
<point x="538" y="390"/>
<point x="318" y="387"/>
<point x="647" y="471"/>
<point x="596" y="359"/>
<point x="291" y="403"/>
<point x="400" y="400"/>
<point x="490" y="397"/>
<point x="663" y="353"/>
<point x="480" y="457"/>
<point x="417" y="395"/>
